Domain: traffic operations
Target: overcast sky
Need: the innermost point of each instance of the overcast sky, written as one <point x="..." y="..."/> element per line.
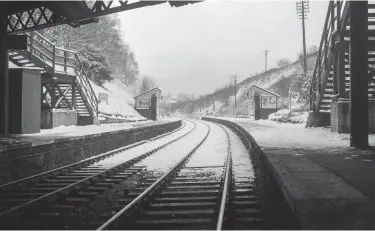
<point x="196" y="48"/>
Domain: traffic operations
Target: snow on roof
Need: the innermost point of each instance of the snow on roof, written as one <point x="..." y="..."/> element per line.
<point x="262" y="89"/>
<point x="143" y="93"/>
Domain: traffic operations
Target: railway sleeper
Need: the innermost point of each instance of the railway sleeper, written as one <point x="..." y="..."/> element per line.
<point x="67" y="181"/>
<point x="245" y="204"/>
<point x="197" y="223"/>
<point x="241" y="191"/>
<point x="78" y="200"/>
<point x="88" y="194"/>
<point x="193" y="187"/>
<point x="189" y="193"/>
<point x="186" y="199"/>
<point x="96" y="189"/>
<point x="189" y="179"/>
<point x="44" y="189"/>
<point x="179" y="214"/>
<point x="181" y="183"/>
<point x="24" y="195"/>
<point x="181" y="205"/>
<point x="51" y="185"/>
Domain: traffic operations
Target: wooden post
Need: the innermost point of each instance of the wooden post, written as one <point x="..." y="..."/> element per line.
<point x="31" y="44"/>
<point x="4" y="78"/>
<point x="359" y="120"/>
<point x="340" y="52"/>
<point x="335" y="58"/>
<point x="73" y="95"/>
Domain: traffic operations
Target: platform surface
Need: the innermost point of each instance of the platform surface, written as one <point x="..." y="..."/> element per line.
<point x="47" y="136"/>
<point x="328" y="184"/>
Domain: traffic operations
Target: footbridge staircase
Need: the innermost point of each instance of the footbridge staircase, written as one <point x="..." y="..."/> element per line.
<point x="65" y="84"/>
<point x="331" y="76"/>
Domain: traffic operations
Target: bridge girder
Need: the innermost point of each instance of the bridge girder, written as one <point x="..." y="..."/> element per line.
<point x="29" y="16"/>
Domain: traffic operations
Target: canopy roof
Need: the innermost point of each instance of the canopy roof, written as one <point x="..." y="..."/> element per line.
<point x="27" y="15"/>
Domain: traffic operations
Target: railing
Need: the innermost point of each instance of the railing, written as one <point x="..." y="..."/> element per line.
<point x="58" y="60"/>
<point x="333" y="26"/>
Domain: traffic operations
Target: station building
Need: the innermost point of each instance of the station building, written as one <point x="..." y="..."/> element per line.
<point x="146" y="103"/>
<point x="262" y="102"/>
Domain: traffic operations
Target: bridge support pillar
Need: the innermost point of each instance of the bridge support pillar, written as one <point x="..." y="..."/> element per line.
<point x="358" y="72"/>
<point x="340" y="68"/>
<point x="4" y="78"/>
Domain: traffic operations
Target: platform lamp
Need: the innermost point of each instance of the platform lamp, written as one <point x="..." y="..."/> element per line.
<point x="302" y="10"/>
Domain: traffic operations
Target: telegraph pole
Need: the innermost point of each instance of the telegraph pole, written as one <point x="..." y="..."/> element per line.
<point x="266" y="53"/>
<point x="302" y="10"/>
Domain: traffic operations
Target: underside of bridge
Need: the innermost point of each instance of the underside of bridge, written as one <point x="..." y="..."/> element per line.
<point x="17" y="19"/>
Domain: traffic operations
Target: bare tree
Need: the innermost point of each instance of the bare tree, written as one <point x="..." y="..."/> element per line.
<point x="283" y="62"/>
<point x="146" y="83"/>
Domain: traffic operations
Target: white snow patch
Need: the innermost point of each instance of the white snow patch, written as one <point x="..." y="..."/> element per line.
<point x="269" y="133"/>
<point x="120" y="101"/>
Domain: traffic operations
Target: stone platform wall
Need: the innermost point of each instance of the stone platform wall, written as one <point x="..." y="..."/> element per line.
<point x="24" y="159"/>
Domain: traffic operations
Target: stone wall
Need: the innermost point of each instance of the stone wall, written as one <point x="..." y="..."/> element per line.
<point x="51" y="118"/>
<point x="318" y="120"/>
<point x="265" y="112"/>
<point x="340" y="116"/>
<point x="25" y="159"/>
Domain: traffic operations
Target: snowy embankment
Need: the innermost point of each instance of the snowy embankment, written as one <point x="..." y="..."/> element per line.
<point x="289" y="116"/>
<point x="119" y="102"/>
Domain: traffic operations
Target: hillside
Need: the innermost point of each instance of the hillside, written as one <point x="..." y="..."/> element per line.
<point x="282" y="81"/>
<point x="120" y="101"/>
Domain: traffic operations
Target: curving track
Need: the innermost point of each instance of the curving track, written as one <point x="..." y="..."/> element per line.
<point x="199" y="192"/>
<point x="198" y="177"/>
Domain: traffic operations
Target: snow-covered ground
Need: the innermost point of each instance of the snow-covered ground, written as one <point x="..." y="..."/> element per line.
<point x="72" y="131"/>
<point x="273" y="134"/>
<point x="120" y="100"/>
<point x="289" y="116"/>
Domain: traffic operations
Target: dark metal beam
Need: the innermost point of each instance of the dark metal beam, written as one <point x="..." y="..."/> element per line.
<point x="359" y="119"/>
<point x="4" y="79"/>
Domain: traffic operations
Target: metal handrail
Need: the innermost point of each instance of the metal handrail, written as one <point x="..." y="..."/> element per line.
<point x="333" y="24"/>
<point x="81" y="75"/>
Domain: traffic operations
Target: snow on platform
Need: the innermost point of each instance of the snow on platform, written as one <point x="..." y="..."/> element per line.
<point x="51" y="135"/>
<point x="269" y="133"/>
<point x="327" y="183"/>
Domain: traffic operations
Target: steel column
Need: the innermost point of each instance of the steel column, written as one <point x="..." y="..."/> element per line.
<point x="4" y="78"/>
<point x="340" y="47"/>
<point x="359" y="120"/>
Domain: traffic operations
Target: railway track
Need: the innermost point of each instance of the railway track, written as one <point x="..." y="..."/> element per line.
<point x="79" y="182"/>
<point x="218" y="195"/>
<point x="188" y="197"/>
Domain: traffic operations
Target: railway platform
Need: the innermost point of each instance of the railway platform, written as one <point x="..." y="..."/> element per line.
<point x="29" y="154"/>
<point x="327" y="184"/>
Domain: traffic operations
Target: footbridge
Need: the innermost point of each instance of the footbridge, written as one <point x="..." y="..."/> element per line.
<point x="343" y="83"/>
<point x="64" y="83"/>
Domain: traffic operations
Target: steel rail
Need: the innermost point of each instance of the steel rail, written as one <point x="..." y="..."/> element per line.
<point x="77" y="185"/>
<point x="227" y="179"/>
<point x="143" y="196"/>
